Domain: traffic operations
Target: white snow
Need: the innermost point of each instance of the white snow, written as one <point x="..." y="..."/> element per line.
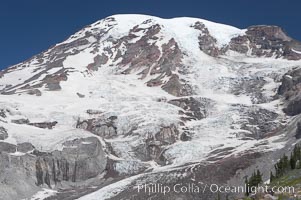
<point x="222" y="33"/>
<point x="79" y="61"/>
<point x="43" y="194"/>
<point x="298" y="52"/>
<point x="110" y="191"/>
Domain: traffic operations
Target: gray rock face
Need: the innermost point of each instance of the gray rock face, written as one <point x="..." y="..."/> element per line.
<point x="3" y="133"/>
<point x="105" y="128"/>
<point x="290" y="89"/>
<point x="25" y="147"/>
<point x="290" y="82"/>
<point x="20" y="121"/>
<point x="98" y="61"/>
<point x="7" y="147"/>
<point x="2" y="113"/>
<point x="79" y="160"/>
<point x="298" y="131"/>
<point x="293" y="107"/>
<point x="17" y="176"/>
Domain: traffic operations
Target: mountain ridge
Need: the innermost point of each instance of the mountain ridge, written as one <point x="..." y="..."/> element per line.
<point x="135" y="94"/>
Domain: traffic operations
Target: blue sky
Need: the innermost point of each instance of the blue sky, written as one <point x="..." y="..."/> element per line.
<point x="28" y="27"/>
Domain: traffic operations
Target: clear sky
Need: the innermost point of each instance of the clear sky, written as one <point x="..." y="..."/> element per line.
<point x="28" y="27"/>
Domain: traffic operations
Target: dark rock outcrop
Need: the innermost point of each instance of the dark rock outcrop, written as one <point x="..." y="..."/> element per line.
<point x="3" y="133"/>
<point x="266" y="41"/>
<point x="99" y="60"/>
<point x="20" y="121"/>
<point x="2" y="113"/>
<point x="25" y="147"/>
<point x="7" y="147"/>
<point x="290" y="89"/>
<point x="162" y="65"/>
<point x="298" y="131"/>
<point x="104" y="127"/>
<point x="44" y="125"/>
<point x="35" y="92"/>
<point x="48" y="125"/>
<point x="155" y="144"/>
<point x="79" y="160"/>
<point x="207" y="43"/>
<point x="53" y="81"/>
<point x="80" y="95"/>
<point x="194" y="109"/>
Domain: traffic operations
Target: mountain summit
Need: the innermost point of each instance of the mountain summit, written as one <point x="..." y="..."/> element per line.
<point x="134" y="99"/>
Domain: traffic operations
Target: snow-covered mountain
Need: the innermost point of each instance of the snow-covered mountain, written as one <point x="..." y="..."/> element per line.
<point x="137" y="99"/>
